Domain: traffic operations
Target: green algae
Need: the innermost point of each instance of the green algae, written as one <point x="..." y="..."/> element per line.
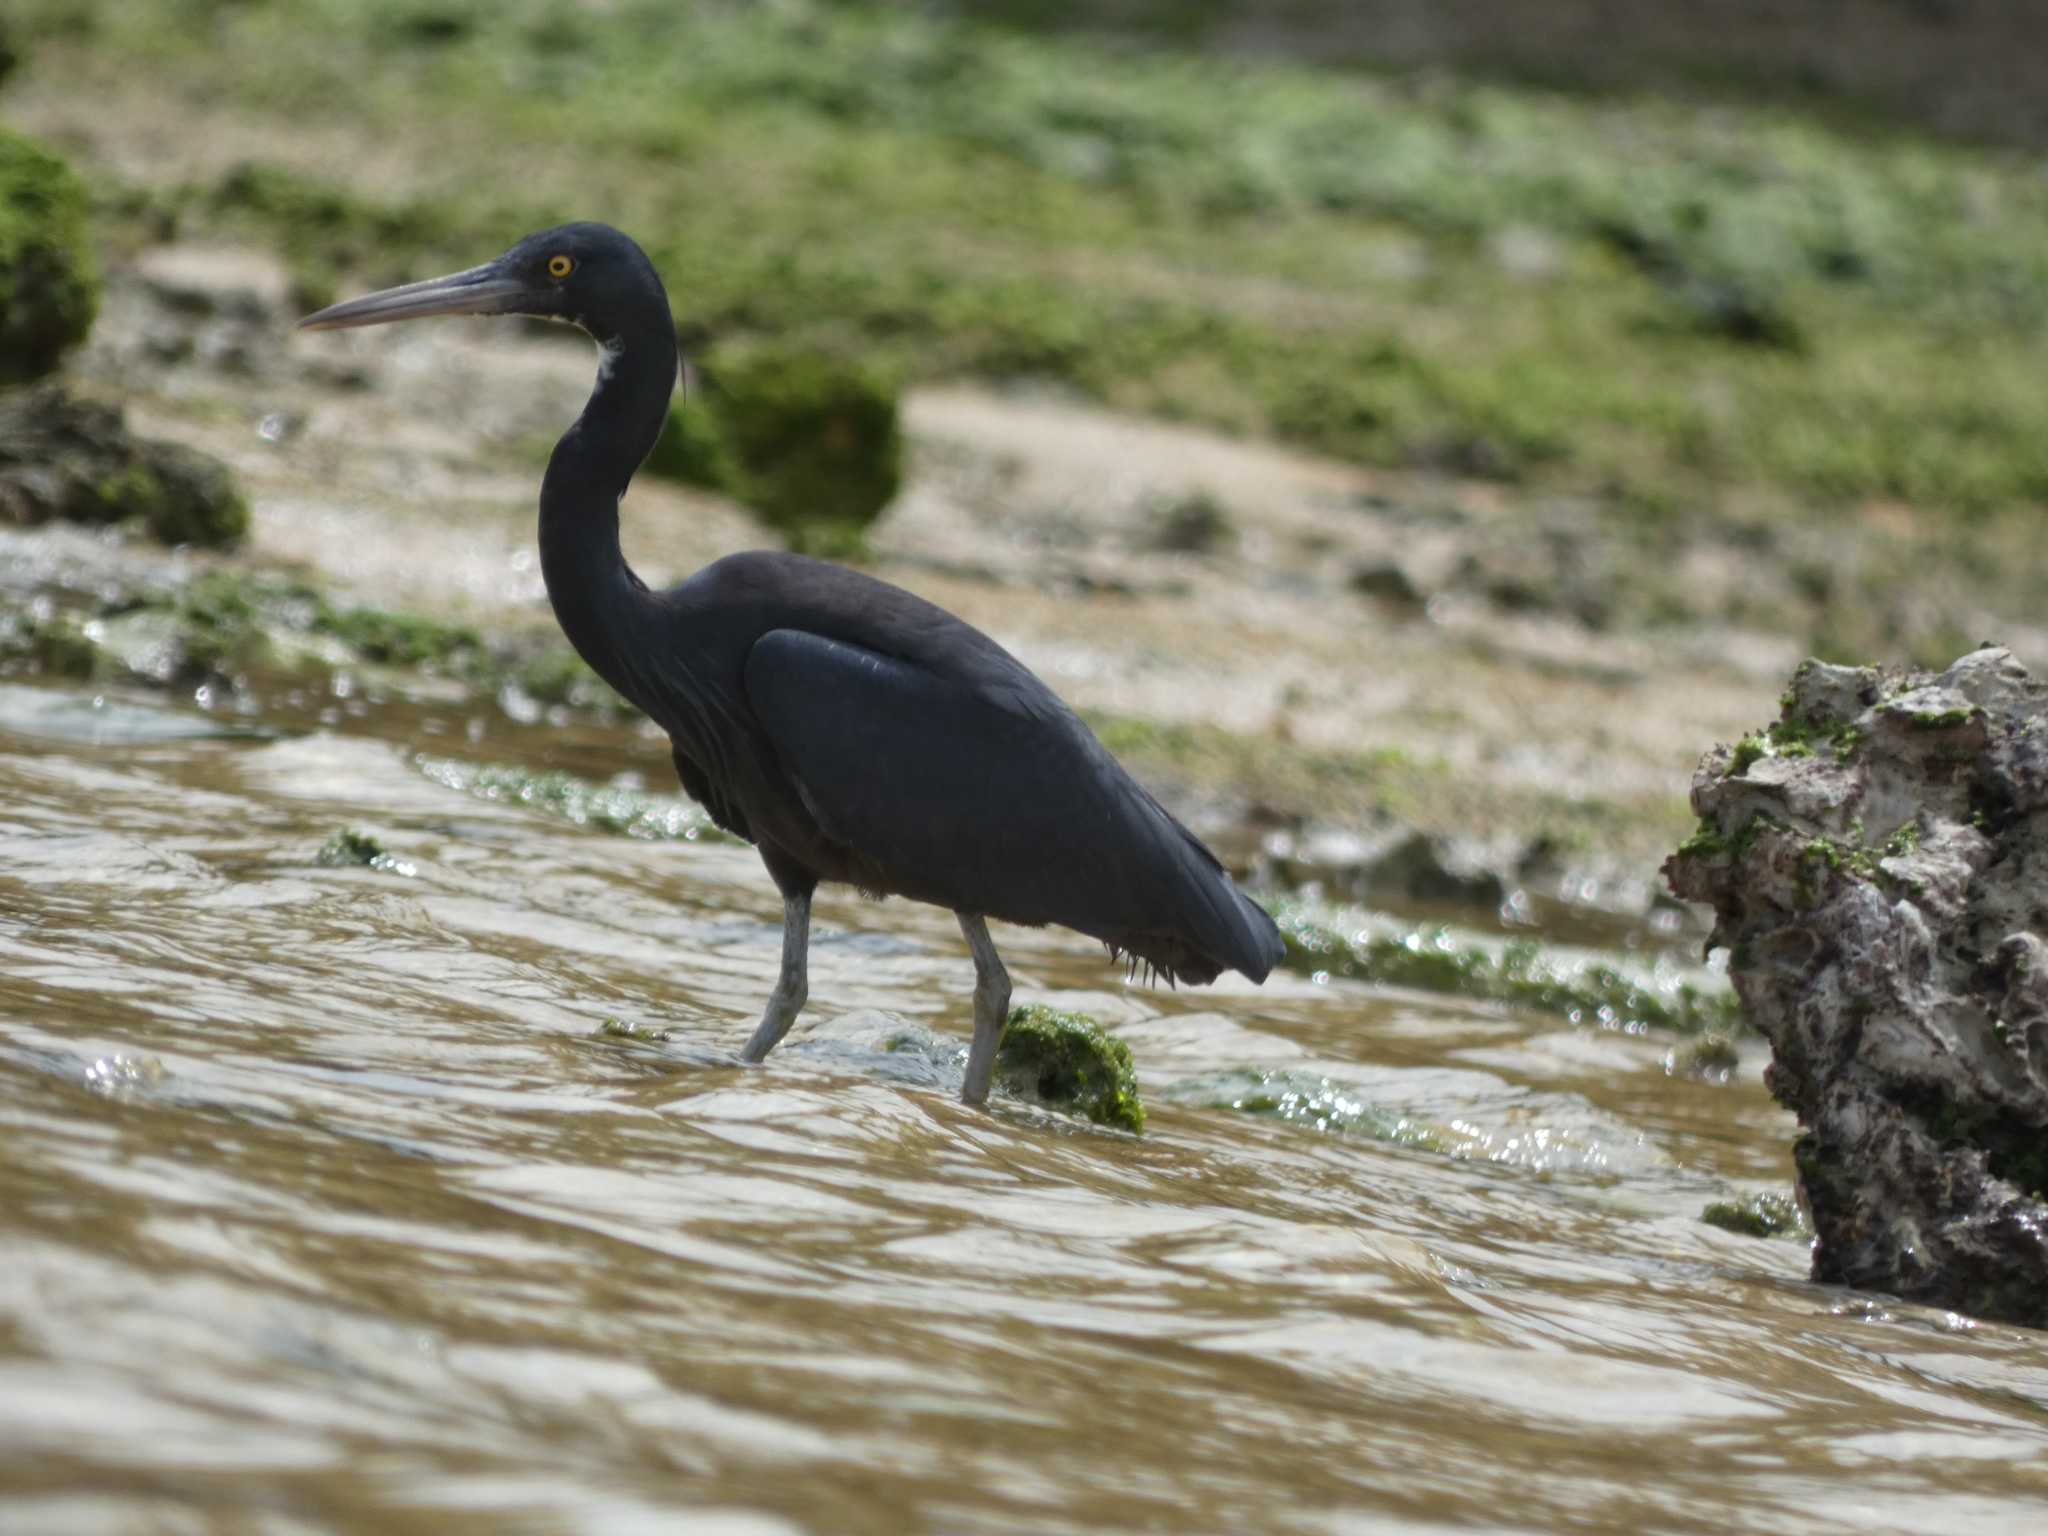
<point x="1748" y="752"/>
<point x="805" y="438"/>
<point x="180" y="496"/>
<point x="399" y="639"/>
<point x="49" y="282"/>
<point x="240" y="625"/>
<point x="1941" y="719"/>
<point x="66" y="458"/>
<point x="1790" y="737"/>
<point x="1757" y="1216"/>
<point x="64" y="647"/>
<point x="1067" y="1061"/>
<point x="619" y="809"/>
<point x="1520" y="974"/>
<point x="1708" y="841"/>
<point x="927" y="190"/>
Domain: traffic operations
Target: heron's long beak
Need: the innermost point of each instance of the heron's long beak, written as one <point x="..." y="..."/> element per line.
<point x="481" y="290"/>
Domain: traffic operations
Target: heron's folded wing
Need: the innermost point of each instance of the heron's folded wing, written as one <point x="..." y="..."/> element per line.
<point x="959" y="797"/>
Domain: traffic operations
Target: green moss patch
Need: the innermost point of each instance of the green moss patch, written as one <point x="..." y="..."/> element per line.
<point x="396" y="639"/>
<point x="1065" y="1060"/>
<point x="49" y="282"/>
<point x="805" y="438"/>
<point x="1757" y="1216"/>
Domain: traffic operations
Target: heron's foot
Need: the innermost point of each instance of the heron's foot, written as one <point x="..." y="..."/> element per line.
<point x="784" y="1004"/>
<point x="991" y="1010"/>
<point x="792" y="987"/>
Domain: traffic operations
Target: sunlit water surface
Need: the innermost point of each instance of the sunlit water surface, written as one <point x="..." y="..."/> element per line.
<point x="326" y="1206"/>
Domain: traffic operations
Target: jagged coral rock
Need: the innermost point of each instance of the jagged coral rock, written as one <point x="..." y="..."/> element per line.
<point x="1878" y="867"/>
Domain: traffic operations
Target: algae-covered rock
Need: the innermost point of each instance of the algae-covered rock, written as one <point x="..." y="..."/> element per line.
<point x="1577" y="986"/>
<point x="348" y="846"/>
<point x="62" y="457"/>
<point x="1065" y="1060"/>
<point x="808" y="441"/>
<point x="1877" y="861"/>
<point x="607" y="807"/>
<point x="1756" y="1216"/>
<point x="49" y="283"/>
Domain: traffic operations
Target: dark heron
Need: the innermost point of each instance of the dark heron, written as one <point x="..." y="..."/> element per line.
<point x="851" y="731"/>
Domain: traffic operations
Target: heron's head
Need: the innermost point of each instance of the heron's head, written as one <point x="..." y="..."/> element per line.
<point x="589" y="275"/>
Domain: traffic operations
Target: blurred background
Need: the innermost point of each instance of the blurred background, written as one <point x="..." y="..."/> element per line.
<point x="1411" y="432"/>
<point x="1625" y="341"/>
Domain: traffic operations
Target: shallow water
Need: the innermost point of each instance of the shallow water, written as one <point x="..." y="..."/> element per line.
<point x="326" y="1206"/>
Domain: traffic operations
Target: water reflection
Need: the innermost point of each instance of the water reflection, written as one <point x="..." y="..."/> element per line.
<point x="328" y="1205"/>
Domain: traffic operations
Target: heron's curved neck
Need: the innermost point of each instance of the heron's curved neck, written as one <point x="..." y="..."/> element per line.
<point x="595" y="594"/>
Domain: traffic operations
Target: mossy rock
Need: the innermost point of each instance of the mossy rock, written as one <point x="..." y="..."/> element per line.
<point x="62" y="647"/>
<point x="1065" y="1060"/>
<point x="807" y="440"/>
<point x="1757" y="1216"/>
<point x="73" y="459"/>
<point x="49" y="282"/>
<point x="347" y="847"/>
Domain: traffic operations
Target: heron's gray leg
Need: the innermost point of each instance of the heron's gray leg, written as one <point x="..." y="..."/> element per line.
<point x="792" y="986"/>
<point x="991" y="1008"/>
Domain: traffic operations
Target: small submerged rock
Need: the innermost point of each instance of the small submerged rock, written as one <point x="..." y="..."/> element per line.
<point x="1878" y="867"/>
<point x="1065" y="1060"/>
<point x="351" y="848"/>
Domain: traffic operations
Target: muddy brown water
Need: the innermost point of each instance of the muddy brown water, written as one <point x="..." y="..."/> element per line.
<point x="325" y="1206"/>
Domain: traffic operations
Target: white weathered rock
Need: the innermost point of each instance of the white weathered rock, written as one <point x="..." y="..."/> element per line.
<point x="1879" y="871"/>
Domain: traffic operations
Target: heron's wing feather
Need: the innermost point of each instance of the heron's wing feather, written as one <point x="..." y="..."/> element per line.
<point x="957" y="796"/>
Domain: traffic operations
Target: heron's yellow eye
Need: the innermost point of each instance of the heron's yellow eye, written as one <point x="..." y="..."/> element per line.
<point x="560" y="266"/>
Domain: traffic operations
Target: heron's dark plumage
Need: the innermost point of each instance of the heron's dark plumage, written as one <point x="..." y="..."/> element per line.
<point x="853" y="731"/>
